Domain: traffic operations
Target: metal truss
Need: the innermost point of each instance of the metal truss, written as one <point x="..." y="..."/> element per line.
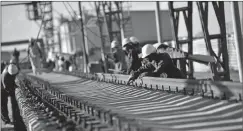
<point x="222" y="56"/>
<point x="175" y="15"/>
<point x="35" y="12"/>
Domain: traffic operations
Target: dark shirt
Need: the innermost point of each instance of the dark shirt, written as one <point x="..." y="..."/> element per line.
<point x="16" y="54"/>
<point x="8" y="81"/>
<point x="67" y="64"/>
<point x="161" y="63"/>
<point x="133" y="61"/>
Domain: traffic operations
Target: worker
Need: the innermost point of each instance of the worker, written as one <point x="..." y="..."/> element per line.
<point x="135" y="43"/>
<point x="61" y="64"/>
<point x="161" y="48"/>
<point x="8" y="89"/>
<point x="35" y="56"/>
<point x="157" y="65"/>
<point x="8" y="86"/>
<point x="133" y="61"/>
<point x="15" y="55"/>
<point x="118" y="56"/>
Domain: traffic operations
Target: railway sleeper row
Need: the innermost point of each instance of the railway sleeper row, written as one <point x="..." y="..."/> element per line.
<point x="95" y="108"/>
<point x="99" y="118"/>
<point x="201" y="90"/>
<point x="44" y="111"/>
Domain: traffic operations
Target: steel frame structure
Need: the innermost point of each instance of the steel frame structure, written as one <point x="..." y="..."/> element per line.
<point x="222" y="57"/>
<point x="35" y="12"/>
<point x="222" y="54"/>
<point x="175" y="15"/>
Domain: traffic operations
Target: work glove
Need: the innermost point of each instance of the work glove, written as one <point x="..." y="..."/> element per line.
<point x="163" y="75"/>
<point x="132" y="77"/>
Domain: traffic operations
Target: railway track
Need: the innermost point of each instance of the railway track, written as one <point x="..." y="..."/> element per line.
<point x="104" y="102"/>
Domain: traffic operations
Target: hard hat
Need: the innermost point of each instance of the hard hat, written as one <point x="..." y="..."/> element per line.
<point x="147" y="50"/>
<point x="125" y="41"/>
<point x="12" y="69"/>
<point x="166" y="43"/>
<point x="156" y="45"/>
<point x="12" y="61"/>
<point x="134" y="40"/>
<point x="114" y="44"/>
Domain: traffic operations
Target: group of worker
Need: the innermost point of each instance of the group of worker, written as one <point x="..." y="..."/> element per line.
<point x="150" y="62"/>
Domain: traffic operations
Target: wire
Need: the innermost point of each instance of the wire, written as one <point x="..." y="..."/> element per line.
<point x="78" y="25"/>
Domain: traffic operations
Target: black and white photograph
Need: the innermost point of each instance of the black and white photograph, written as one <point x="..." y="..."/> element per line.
<point x="121" y="65"/>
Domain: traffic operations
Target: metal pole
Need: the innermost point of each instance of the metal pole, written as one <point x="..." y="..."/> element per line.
<point x="85" y="57"/>
<point x="238" y="37"/>
<point x="100" y="22"/>
<point x="158" y="23"/>
<point x="121" y="21"/>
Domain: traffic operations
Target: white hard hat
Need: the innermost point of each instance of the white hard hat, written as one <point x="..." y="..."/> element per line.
<point x="125" y="41"/>
<point x="156" y="45"/>
<point x="166" y="43"/>
<point x="147" y="50"/>
<point x="12" y="69"/>
<point x="114" y="44"/>
<point x="134" y="40"/>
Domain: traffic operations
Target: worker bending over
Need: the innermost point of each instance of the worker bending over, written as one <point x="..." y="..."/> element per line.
<point x="157" y="65"/>
<point x="131" y="52"/>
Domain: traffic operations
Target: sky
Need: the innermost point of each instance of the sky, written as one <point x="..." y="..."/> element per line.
<point x="16" y="26"/>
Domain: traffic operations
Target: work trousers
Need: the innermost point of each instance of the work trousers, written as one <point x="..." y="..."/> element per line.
<point x="17" y="119"/>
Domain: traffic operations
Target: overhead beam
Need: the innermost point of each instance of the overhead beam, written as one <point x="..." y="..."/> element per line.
<point x="14" y="4"/>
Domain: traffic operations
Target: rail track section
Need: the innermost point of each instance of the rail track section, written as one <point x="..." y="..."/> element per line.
<point x="105" y="102"/>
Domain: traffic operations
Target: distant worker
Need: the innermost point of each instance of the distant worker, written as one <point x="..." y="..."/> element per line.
<point x="15" y="55"/>
<point x="61" y="64"/>
<point x="158" y="65"/>
<point x="135" y="43"/>
<point x="131" y="52"/>
<point x="118" y="56"/>
<point x="35" y="56"/>
<point x="161" y="48"/>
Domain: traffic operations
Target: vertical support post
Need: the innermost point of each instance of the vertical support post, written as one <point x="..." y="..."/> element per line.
<point x="188" y="21"/>
<point x="59" y="41"/>
<point x="203" y="13"/>
<point x="100" y="22"/>
<point x="219" y="11"/>
<point x="158" y="23"/>
<point x="238" y="37"/>
<point x="174" y="17"/>
<point x="119" y="8"/>
<point x="85" y="57"/>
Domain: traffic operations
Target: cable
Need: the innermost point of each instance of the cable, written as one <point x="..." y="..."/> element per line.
<point x="79" y="25"/>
